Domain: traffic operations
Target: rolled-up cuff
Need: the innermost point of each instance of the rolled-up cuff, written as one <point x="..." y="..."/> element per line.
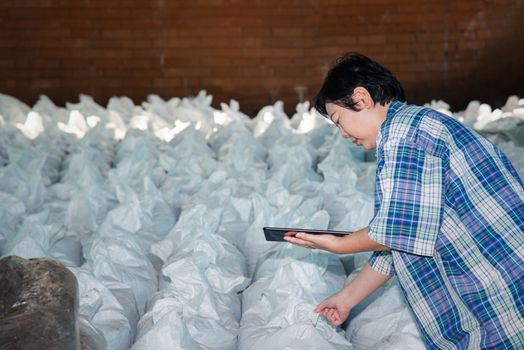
<point x="382" y="262"/>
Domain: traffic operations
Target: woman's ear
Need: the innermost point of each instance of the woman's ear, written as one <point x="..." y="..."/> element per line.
<point x="362" y="98"/>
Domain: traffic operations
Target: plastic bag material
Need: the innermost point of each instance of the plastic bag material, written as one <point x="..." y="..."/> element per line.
<point x="156" y="105"/>
<point x="54" y="152"/>
<point x="499" y="120"/>
<point x="33" y="125"/>
<point x="384" y="321"/>
<point x="312" y="272"/>
<point x="124" y="106"/>
<point x="76" y="124"/>
<point x="334" y="166"/>
<point x="87" y="106"/>
<point x="341" y="149"/>
<point x="294" y="195"/>
<point x="242" y="152"/>
<point x="514" y="154"/>
<point x="101" y="141"/>
<point x="224" y="134"/>
<point x="199" y="284"/>
<point x="67" y="249"/>
<point x="192" y="221"/>
<point x="99" y="309"/>
<point x="201" y="161"/>
<point x="278" y="305"/>
<point x="12" y="109"/>
<point x="343" y="180"/>
<point x="177" y="190"/>
<point x="223" y="265"/>
<point x="235" y="221"/>
<point x="82" y="168"/>
<point x="164" y="328"/>
<point x="43" y="235"/>
<point x="51" y="113"/>
<point x="11" y="214"/>
<point x="208" y="320"/>
<point x="292" y="325"/>
<point x="113" y="257"/>
<point x="304" y="213"/>
<point x="157" y="214"/>
<point x="90" y="337"/>
<point x="141" y="215"/>
<point x="300" y="117"/>
<point x="214" y="192"/>
<point x="350" y="211"/>
<point x="269" y="123"/>
<point x="291" y="149"/>
<point x="132" y="171"/>
<point x="24" y="181"/>
<point x="253" y="242"/>
<point x="137" y="158"/>
<point x="233" y="111"/>
<point x="33" y="238"/>
<point x="138" y="144"/>
<point x="87" y="208"/>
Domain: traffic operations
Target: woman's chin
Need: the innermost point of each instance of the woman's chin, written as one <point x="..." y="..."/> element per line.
<point x="366" y="146"/>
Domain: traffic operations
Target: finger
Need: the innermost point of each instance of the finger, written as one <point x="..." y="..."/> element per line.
<point x="336" y="318"/>
<point x="297" y="241"/>
<point x="332" y="313"/>
<point x="325" y="304"/>
<point x="330" y="317"/>
<point x="304" y="236"/>
<point x="320" y="307"/>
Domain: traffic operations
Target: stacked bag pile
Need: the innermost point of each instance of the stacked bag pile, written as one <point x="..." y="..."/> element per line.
<point x="158" y="210"/>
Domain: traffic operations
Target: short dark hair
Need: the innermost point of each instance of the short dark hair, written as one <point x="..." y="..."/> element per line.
<point x="353" y="70"/>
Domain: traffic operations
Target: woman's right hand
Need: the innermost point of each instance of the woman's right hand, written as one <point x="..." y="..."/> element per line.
<point x="327" y="242"/>
<point x="335" y="309"/>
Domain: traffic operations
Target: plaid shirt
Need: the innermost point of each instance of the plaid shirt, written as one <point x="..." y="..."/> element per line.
<point x="451" y="208"/>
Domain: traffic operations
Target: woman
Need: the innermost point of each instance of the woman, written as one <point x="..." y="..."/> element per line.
<point x="449" y="215"/>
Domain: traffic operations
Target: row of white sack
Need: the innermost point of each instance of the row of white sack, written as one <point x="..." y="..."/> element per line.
<point x="198" y="285"/>
<point x="106" y="247"/>
<point x="279" y="312"/>
<point x="198" y="304"/>
<point x="267" y="127"/>
<point x="176" y="174"/>
<point x="122" y="113"/>
<point x="507" y="120"/>
<point x="505" y="123"/>
<point x="285" y="200"/>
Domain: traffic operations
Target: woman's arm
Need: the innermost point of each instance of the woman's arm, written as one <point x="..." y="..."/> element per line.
<point x="356" y="242"/>
<point x="337" y="307"/>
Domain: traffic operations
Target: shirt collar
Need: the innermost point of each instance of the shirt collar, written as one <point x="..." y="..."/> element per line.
<point x="393" y="108"/>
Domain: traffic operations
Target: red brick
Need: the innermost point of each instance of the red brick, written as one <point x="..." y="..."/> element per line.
<point x="253" y="51"/>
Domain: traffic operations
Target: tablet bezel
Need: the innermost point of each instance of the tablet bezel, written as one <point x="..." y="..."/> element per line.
<point x="276" y="234"/>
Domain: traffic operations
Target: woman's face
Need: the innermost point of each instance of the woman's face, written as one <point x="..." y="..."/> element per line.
<point x="361" y="127"/>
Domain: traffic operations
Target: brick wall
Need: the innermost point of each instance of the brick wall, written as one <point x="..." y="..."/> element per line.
<point x="257" y="51"/>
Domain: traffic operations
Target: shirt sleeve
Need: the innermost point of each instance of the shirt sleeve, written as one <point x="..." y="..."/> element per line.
<point x="382" y="262"/>
<point x="408" y="199"/>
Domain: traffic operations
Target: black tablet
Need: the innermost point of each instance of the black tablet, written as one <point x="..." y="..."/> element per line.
<point x="277" y="233"/>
